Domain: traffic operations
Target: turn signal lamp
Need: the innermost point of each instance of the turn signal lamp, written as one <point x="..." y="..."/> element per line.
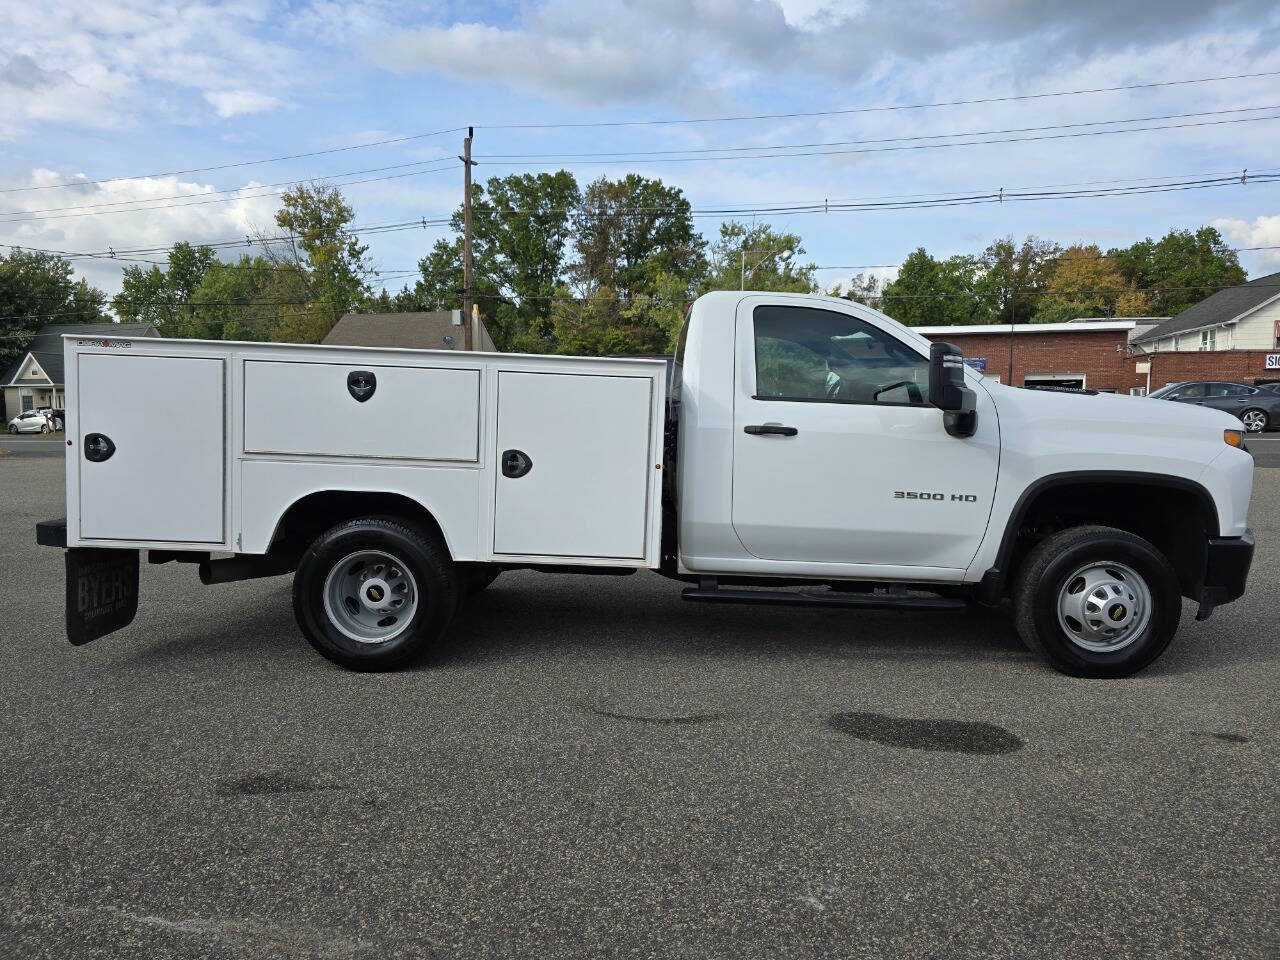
<point x="1233" y="438"/>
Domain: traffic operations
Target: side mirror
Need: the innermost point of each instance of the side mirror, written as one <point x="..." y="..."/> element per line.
<point x="947" y="390"/>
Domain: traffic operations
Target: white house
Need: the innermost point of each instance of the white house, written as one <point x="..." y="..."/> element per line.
<point x="35" y="380"/>
<point x="1245" y="317"/>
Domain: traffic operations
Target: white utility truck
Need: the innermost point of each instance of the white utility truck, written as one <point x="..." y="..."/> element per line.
<point x="801" y="450"/>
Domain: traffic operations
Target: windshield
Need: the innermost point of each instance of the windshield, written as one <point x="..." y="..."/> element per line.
<point x="1164" y="391"/>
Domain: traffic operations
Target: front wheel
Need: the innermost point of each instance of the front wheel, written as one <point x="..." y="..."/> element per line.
<point x="1097" y="602"/>
<point x="1255" y="421"/>
<point x="13" y="429"/>
<point x="375" y="593"/>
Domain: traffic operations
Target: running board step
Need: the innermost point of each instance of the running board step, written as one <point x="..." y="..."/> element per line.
<point x="881" y="601"/>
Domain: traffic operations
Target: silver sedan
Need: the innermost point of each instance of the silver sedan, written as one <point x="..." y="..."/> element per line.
<point x="33" y="421"/>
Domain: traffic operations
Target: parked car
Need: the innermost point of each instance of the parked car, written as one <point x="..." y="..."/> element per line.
<point x="1258" y="409"/>
<point x="33" y="421"/>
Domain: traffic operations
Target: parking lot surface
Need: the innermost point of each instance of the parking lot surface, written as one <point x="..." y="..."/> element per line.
<point x="593" y="768"/>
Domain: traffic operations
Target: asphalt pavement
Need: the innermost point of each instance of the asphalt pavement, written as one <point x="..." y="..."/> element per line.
<point x="592" y="768"/>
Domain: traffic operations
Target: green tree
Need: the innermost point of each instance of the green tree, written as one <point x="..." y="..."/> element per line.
<point x="864" y="288"/>
<point x="323" y="250"/>
<point x="163" y="297"/>
<point x="935" y="292"/>
<point x="520" y="227"/>
<point x="628" y="231"/>
<point x="1180" y="269"/>
<point x="765" y="268"/>
<point x="39" y="288"/>
<point x="637" y="256"/>
<point x="1014" y="278"/>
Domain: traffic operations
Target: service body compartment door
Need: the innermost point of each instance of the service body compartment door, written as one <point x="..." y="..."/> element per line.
<point x="360" y="410"/>
<point x="151" y="448"/>
<point x="572" y="465"/>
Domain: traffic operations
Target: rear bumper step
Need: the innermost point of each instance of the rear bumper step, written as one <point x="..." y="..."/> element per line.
<point x="52" y="533"/>
<point x="880" y="601"/>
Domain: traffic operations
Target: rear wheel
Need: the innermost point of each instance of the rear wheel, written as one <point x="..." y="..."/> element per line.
<point x="1255" y="421"/>
<point x="374" y="593"/>
<point x="1097" y="602"/>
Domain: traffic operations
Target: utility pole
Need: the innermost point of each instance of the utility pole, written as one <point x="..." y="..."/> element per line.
<point x="1013" y="319"/>
<point x="466" y="239"/>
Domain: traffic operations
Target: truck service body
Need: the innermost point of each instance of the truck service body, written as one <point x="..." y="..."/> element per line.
<point x="797" y="442"/>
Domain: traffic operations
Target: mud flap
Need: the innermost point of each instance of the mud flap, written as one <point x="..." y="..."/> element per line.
<point x="102" y="592"/>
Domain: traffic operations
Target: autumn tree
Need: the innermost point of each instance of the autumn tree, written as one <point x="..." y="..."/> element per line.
<point x="1085" y="283"/>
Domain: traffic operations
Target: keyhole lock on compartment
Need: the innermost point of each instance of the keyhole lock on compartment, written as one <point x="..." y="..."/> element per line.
<point x="98" y="447"/>
<point x="361" y="384"/>
<point x="515" y="464"/>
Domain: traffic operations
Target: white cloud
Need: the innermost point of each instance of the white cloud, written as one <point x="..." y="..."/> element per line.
<point x="177" y="212"/>
<point x="113" y="63"/>
<point x="230" y="103"/>
<point x="1262" y="231"/>
<point x="620" y="51"/>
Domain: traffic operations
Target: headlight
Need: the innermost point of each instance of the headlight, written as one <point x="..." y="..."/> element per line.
<point x="1233" y="438"/>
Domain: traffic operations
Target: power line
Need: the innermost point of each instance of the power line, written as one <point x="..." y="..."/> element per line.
<point x="233" y="190"/>
<point x="878" y="109"/>
<point x="841" y="143"/>
<point x="887" y="203"/>
<point x="229" y="166"/>
<point x="224" y="199"/>
<point x="551" y="159"/>
<point x="659" y="122"/>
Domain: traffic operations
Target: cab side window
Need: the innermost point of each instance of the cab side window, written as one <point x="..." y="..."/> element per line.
<point x="807" y="354"/>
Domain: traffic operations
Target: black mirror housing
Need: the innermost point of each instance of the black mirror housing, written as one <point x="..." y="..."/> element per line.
<point x="947" y="390"/>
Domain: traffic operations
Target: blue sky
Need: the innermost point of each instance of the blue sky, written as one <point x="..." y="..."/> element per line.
<point x="132" y="90"/>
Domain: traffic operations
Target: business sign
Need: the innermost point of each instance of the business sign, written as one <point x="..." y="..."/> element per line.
<point x="1273" y="361"/>
<point x="980" y="363"/>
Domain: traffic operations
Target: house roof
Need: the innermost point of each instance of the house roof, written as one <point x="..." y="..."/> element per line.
<point x="1222" y="307"/>
<point x="416" y="331"/>
<point x="46" y="346"/>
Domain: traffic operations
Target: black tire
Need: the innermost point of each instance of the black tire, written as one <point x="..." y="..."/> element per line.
<point x="1043" y="575"/>
<point x="44" y="428"/>
<point x="427" y="560"/>
<point x="1266" y="420"/>
<point x="13" y="430"/>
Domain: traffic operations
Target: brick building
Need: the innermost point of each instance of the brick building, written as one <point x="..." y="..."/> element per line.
<point x="1095" y="355"/>
<point x="1090" y="355"/>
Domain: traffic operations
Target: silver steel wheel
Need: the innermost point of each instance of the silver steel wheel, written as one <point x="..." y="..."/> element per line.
<point x="1104" y="606"/>
<point x="370" y="596"/>
<point x="1255" y="421"/>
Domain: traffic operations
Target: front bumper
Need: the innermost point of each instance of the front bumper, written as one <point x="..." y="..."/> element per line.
<point x="1226" y="569"/>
